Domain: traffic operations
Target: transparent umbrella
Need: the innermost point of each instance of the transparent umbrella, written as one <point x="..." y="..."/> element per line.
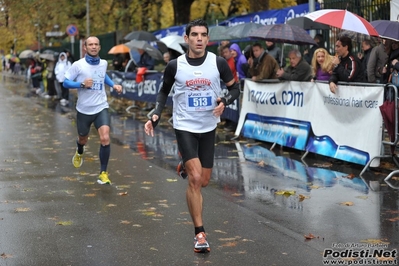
<point x="173" y="42"/>
<point x="219" y="33"/>
<point x="143" y="45"/>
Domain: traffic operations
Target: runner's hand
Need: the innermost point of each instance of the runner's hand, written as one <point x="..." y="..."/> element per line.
<point x="218" y="111"/>
<point x="118" y="88"/>
<point x="148" y="128"/>
<point x="88" y="82"/>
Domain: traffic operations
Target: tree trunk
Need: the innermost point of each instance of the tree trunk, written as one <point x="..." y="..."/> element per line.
<point x="299" y="2"/>
<point x="182" y="11"/>
<point x="144" y="14"/>
<point x="256" y="5"/>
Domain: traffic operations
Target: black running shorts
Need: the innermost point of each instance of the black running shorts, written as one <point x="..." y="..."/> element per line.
<point x="197" y="145"/>
<point x="84" y="121"/>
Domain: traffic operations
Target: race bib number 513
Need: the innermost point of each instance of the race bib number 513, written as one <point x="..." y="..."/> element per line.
<point x="199" y="101"/>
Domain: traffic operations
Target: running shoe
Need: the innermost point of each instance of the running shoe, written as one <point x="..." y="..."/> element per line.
<point x="181" y="170"/>
<point x="77" y="159"/>
<point x="201" y="244"/>
<point x="103" y="178"/>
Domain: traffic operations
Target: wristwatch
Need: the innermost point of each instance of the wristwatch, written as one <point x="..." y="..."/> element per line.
<point x="82" y="85"/>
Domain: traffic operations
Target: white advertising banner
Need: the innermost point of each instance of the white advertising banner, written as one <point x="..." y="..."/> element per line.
<point x="394" y="10"/>
<point x="307" y="116"/>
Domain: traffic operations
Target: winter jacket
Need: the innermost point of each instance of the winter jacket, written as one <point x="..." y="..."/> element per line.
<point x="377" y="60"/>
<point x="240" y="60"/>
<point x="302" y="72"/>
<point x="348" y="70"/>
<point x="266" y="68"/>
<point x="61" y="67"/>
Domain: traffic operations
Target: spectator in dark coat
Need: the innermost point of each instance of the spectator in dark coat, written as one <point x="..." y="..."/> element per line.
<point x="298" y="70"/>
<point x="347" y="67"/>
<point x="366" y="47"/>
<point x="375" y="64"/>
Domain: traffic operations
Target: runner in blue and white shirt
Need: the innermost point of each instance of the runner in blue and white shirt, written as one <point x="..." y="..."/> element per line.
<point x="88" y="75"/>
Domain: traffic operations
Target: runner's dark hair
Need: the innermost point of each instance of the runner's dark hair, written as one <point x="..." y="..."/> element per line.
<point x="196" y="22"/>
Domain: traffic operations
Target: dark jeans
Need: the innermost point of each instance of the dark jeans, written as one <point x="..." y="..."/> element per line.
<point x="64" y="92"/>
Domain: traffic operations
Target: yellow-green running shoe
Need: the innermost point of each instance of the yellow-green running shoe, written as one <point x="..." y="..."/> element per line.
<point x="103" y="178"/>
<point x="77" y="159"/>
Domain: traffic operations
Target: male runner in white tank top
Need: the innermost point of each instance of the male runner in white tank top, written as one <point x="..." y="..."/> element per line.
<point x="197" y="106"/>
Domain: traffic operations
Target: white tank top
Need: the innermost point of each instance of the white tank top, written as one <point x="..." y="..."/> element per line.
<point x="90" y="100"/>
<point x="196" y="89"/>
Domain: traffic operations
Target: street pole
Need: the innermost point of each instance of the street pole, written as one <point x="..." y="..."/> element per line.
<point x="38" y="36"/>
<point x="87" y="19"/>
<point x="312" y="8"/>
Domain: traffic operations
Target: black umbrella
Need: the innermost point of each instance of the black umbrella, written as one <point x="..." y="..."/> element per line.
<point x="141" y="35"/>
<point x="307" y="24"/>
<point x="387" y="29"/>
<point x="282" y="33"/>
<point x="242" y="30"/>
<point x="359" y="37"/>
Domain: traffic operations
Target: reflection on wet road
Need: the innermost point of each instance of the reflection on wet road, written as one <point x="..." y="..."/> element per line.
<point x="316" y="194"/>
<point x="320" y="195"/>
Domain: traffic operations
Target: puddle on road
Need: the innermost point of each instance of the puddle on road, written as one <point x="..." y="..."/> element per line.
<point x="254" y="173"/>
<point x="244" y="166"/>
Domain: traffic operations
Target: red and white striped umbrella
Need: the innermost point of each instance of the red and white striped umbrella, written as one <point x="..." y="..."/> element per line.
<point x="343" y="19"/>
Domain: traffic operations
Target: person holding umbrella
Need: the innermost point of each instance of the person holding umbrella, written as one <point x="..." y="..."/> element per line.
<point x="298" y="70"/>
<point x="145" y="60"/>
<point x="347" y="67"/>
<point x="262" y="65"/>
<point x="197" y="107"/>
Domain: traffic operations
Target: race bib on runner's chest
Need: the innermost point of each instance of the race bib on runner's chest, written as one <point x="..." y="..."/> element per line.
<point x="199" y="100"/>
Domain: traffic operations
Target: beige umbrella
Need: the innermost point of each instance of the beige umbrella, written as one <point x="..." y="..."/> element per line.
<point x="26" y="54"/>
<point x="46" y="56"/>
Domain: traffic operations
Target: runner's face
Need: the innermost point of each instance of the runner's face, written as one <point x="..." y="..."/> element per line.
<point x="92" y="46"/>
<point x="197" y="41"/>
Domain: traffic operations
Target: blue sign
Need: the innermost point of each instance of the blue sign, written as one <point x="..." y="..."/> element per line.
<point x="72" y="30"/>
<point x="174" y="30"/>
<point x="270" y="17"/>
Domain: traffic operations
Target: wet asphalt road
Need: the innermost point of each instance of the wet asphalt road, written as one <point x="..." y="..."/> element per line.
<point x="54" y="214"/>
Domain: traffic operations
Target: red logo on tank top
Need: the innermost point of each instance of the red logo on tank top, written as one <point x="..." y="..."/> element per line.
<point x="198" y="83"/>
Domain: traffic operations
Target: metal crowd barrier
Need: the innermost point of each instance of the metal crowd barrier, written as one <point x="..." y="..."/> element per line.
<point x="392" y="93"/>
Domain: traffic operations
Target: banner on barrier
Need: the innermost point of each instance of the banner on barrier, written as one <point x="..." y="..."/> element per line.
<point x="307" y="116"/>
<point x="147" y="91"/>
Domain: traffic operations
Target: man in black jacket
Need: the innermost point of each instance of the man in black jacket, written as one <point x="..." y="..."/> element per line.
<point x="347" y="67"/>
